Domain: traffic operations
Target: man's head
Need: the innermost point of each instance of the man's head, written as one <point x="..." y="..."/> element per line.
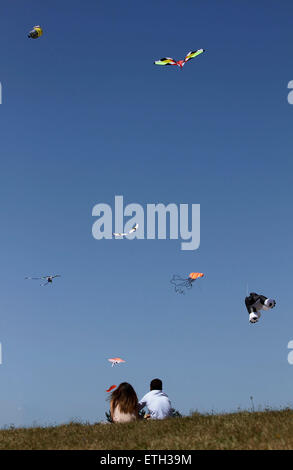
<point x="156" y="384"/>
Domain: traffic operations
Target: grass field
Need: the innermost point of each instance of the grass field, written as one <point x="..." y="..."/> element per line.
<point x="242" y="430"/>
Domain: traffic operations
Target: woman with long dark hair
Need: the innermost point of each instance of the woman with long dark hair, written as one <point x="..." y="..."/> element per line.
<point x="124" y="404"/>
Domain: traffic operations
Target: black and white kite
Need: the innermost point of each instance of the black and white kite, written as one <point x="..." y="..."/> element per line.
<point x="49" y="279"/>
<point x="256" y="302"/>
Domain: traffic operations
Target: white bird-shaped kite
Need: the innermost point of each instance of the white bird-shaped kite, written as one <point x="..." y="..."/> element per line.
<point x="134" y="229"/>
<point x="49" y="279"/>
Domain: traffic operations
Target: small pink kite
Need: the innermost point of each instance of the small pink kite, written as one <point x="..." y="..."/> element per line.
<point x="116" y="360"/>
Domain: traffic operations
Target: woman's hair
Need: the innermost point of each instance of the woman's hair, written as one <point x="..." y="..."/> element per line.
<point x="125" y="397"/>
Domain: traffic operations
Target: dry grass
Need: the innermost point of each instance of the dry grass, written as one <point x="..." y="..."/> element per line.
<point x="243" y="430"/>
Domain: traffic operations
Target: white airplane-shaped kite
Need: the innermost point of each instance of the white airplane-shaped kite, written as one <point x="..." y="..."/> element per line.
<point x="49" y="279"/>
<point x="134" y="229"/>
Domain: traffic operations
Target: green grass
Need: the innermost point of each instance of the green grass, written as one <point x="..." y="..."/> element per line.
<point x="242" y="430"/>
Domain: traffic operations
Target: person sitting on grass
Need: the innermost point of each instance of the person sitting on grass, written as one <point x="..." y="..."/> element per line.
<point x="156" y="401"/>
<point x="124" y="404"/>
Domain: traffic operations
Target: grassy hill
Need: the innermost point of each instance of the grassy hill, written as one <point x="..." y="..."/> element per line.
<point x="242" y="430"/>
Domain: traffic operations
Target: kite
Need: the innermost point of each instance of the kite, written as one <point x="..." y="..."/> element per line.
<point x="182" y="284"/>
<point x="179" y="63"/>
<point x="111" y="388"/>
<point x="116" y="360"/>
<point x="49" y="279"/>
<point x="255" y="302"/>
<point x="134" y="229"/>
<point x="35" y="33"/>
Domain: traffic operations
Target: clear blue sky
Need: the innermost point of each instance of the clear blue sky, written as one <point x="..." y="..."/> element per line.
<point x="87" y="116"/>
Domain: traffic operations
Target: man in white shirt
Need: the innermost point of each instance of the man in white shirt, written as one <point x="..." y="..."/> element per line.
<point x="156" y="401"/>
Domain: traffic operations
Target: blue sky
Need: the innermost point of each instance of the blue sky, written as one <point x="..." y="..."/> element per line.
<point x="87" y="116"/>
